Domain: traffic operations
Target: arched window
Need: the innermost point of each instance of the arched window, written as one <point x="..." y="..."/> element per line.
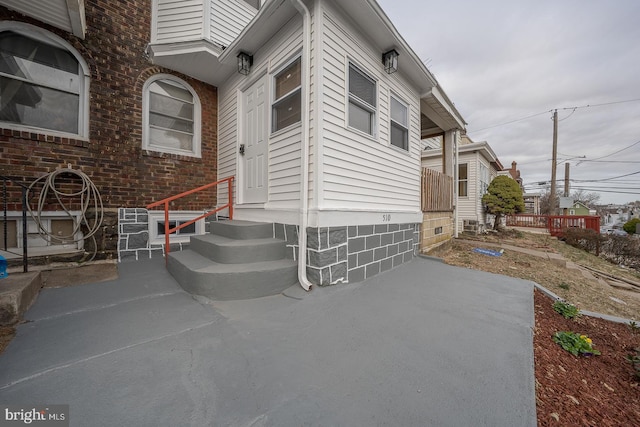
<point x="171" y="111"/>
<point x="44" y="83"/>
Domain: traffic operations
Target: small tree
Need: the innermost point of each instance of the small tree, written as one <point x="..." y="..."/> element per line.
<point x="630" y="226"/>
<point x="503" y="197"/>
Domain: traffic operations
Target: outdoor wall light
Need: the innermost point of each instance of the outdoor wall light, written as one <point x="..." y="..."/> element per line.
<point x="390" y="61"/>
<point x="245" y="61"/>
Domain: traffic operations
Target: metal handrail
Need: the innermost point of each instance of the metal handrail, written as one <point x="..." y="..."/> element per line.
<point x="25" y="264"/>
<point x="168" y="230"/>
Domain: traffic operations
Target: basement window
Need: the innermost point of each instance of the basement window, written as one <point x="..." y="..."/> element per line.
<point x="156" y="226"/>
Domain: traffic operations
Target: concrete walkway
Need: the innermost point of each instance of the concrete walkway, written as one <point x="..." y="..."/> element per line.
<point x="425" y="344"/>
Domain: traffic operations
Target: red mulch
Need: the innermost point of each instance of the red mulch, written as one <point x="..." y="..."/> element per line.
<point x="575" y="391"/>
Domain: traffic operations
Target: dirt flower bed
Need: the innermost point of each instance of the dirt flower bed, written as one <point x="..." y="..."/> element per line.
<point x="599" y="390"/>
<point x="585" y="391"/>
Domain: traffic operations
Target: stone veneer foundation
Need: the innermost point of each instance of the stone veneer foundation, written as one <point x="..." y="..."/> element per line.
<point x="353" y="253"/>
<point x="334" y="254"/>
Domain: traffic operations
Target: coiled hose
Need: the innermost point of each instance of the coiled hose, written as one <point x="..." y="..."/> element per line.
<point x="89" y="198"/>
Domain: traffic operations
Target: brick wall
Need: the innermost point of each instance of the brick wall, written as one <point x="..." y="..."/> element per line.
<point x="125" y="175"/>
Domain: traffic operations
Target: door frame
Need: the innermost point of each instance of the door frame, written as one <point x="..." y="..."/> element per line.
<point x="240" y="164"/>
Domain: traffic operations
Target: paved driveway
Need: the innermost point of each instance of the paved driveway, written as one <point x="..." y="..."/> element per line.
<point x="425" y="344"/>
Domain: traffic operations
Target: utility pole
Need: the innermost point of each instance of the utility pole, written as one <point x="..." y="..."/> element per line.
<point x="554" y="160"/>
<point x="566" y="184"/>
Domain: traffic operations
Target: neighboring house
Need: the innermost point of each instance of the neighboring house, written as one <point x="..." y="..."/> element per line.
<point x="317" y="108"/>
<point x="532" y="203"/>
<point x="579" y="209"/>
<point x="477" y="166"/>
<point x="514" y="173"/>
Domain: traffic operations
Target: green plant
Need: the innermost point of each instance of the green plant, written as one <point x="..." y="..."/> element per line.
<point x="635" y="328"/>
<point x="564" y="286"/>
<point x="503" y="197"/>
<point x="575" y="344"/>
<point x="634" y="359"/>
<point x="567" y="310"/>
<point x="630" y="226"/>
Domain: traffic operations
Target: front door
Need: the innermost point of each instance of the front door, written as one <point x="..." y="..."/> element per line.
<point x="253" y="144"/>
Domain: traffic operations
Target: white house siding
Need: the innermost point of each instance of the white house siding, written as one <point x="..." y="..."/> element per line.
<point x="178" y="20"/>
<point x="359" y="172"/>
<point x="468" y="206"/>
<point x="228" y="19"/>
<point x="284" y="146"/>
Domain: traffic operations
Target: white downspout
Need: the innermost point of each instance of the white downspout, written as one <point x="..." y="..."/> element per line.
<point x="455" y="183"/>
<point x="304" y="144"/>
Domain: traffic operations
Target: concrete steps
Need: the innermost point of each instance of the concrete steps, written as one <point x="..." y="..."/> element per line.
<point x="238" y="260"/>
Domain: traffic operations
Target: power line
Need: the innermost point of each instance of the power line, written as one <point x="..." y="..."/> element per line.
<point x="609" y="155"/>
<point x="548" y="111"/>
<point x="512" y="121"/>
<point x="605" y="179"/>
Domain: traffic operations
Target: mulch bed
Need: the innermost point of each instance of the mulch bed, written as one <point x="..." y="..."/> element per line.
<point x="576" y="391"/>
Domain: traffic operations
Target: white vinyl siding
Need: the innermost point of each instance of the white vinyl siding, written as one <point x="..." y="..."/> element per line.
<point x="228" y="19"/>
<point x="178" y="20"/>
<point x="358" y="173"/>
<point x="219" y="21"/>
<point x="284" y="147"/>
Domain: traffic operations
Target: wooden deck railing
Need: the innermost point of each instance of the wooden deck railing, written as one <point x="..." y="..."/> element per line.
<point x="437" y="191"/>
<point x="168" y="230"/>
<point x="555" y="224"/>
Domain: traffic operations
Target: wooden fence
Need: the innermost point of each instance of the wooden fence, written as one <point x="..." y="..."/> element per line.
<point x="437" y="191"/>
<point x="555" y="224"/>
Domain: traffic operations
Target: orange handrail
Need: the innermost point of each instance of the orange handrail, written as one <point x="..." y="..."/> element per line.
<point x="168" y="230"/>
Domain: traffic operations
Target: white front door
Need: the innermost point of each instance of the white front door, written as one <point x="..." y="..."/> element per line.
<point x="253" y="144"/>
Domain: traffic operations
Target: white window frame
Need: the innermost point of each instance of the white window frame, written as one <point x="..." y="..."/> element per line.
<point x="286" y="96"/>
<point x="157" y="217"/>
<point x="359" y="103"/>
<point x="43" y="36"/>
<point x="403" y="126"/>
<point x="485" y="178"/>
<point x="196" y="149"/>
<point x="466" y="180"/>
<point x="39" y="245"/>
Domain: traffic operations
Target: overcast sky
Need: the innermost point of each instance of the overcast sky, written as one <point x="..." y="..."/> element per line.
<point x="508" y="64"/>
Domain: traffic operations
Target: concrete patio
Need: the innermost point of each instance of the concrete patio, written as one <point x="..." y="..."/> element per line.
<point x="425" y="344"/>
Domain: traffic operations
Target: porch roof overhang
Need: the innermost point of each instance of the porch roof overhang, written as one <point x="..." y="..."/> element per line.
<point x="214" y="63"/>
<point x="68" y="15"/>
<point x="435" y="105"/>
<point x="195" y="58"/>
<point x="482" y="147"/>
<point x="439" y="113"/>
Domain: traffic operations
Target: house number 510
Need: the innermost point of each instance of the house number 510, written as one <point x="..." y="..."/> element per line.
<point x="386" y="217"/>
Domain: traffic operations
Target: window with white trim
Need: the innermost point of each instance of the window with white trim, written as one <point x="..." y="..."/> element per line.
<point x="287" y="104"/>
<point x="463" y="180"/>
<point x="171" y="116"/>
<point x="43" y="83"/>
<point x="362" y="100"/>
<point x="484" y="179"/>
<point x="399" y="124"/>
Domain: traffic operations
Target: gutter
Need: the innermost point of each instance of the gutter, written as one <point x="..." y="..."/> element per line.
<point x="304" y="144"/>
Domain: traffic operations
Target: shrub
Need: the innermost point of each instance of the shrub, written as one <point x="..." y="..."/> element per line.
<point x="631" y="225"/>
<point x="585" y="239"/>
<point x="622" y="250"/>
